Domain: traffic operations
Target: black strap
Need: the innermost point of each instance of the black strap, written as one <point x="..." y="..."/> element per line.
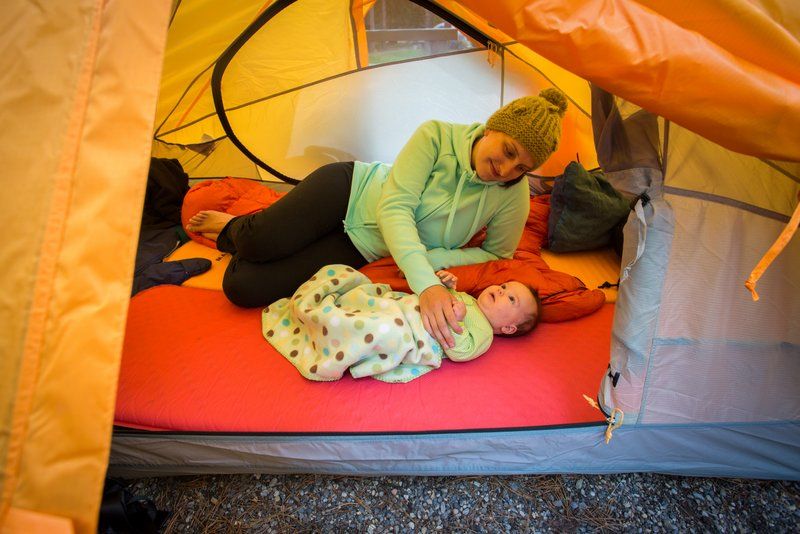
<point x="645" y="198"/>
<point x="123" y="513"/>
<point x="613" y="376"/>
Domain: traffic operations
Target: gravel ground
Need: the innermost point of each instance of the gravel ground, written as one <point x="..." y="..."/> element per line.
<point x="551" y="503"/>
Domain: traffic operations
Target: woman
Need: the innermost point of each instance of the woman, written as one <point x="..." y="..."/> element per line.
<point x="448" y="182"/>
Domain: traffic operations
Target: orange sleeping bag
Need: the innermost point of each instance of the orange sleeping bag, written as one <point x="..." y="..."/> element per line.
<point x="564" y="296"/>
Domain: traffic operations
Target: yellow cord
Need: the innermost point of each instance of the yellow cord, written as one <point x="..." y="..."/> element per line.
<point x="614" y="422"/>
<point x="492" y="53"/>
<point x="776" y="248"/>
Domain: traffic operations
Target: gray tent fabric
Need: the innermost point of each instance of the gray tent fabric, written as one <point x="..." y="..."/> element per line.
<point x="688" y="344"/>
<point x="623" y="140"/>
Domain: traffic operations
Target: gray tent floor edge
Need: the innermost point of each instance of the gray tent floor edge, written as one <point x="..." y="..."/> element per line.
<point x="769" y="450"/>
<point x="123" y="430"/>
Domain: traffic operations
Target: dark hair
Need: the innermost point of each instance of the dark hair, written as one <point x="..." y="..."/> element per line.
<point x="531" y="321"/>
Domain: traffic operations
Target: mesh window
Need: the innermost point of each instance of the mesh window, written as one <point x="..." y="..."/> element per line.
<point x="398" y="30"/>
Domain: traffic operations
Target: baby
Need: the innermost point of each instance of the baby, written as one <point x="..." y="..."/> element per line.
<point x="339" y="321"/>
<point x="511" y="309"/>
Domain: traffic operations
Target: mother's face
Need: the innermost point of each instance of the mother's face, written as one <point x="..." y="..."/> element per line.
<point x="498" y="157"/>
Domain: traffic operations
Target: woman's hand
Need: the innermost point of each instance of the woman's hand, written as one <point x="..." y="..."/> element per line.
<point x="438" y="317"/>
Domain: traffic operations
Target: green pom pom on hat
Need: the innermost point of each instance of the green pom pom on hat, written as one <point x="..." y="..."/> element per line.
<point x="534" y="121"/>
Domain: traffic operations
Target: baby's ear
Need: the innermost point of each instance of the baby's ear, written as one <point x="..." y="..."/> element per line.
<point x="508" y="329"/>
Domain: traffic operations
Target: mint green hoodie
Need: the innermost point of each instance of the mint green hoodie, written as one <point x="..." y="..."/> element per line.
<point x="430" y="202"/>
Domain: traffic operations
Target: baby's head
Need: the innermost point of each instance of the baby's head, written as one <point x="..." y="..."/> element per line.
<point x="511" y="308"/>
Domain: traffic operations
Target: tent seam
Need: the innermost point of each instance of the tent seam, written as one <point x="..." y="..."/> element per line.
<point x="726" y="201"/>
<point x="543" y="75"/>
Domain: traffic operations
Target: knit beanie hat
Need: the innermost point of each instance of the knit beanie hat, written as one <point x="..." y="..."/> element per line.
<point x="534" y="121"/>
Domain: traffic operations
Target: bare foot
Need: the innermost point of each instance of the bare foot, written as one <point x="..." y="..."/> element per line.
<point x="208" y="221"/>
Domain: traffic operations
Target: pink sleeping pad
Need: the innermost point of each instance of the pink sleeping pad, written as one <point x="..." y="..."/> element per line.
<point x="194" y="362"/>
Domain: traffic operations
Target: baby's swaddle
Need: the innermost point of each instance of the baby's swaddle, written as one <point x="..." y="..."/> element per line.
<point x="340" y="320"/>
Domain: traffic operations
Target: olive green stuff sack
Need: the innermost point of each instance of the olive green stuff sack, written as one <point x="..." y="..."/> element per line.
<point x="584" y="208"/>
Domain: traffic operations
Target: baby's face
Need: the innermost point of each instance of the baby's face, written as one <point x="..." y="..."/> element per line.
<point x="507" y="304"/>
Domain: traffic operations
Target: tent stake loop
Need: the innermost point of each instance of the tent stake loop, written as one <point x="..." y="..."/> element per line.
<point x="614" y="422"/>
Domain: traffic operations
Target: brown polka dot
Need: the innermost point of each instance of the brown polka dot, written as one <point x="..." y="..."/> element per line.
<point x="368" y="338"/>
<point x="348" y="269"/>
<point x="317" y="298"/>
<point x="335" y="281"/>
<point x="420" y="343"/>
<point x="307" y="310"/>
<point x="266" y="310"/>
<point x="296" y="330"/>
<point x="398" y="321"/>
<point x="416" y="308"/>
<point x="379" y="291"/>
<point x="314" y="277"/>
<point x="340" y="355"/>
<point x="314" y="344"/>
<point x="270" y="333"/>
<point x="313" y="369"/>
<point x="348" y="315"/>
<point x="324" y="330"/>
<point x="293" y="353"/>
<point x="298" y="296"/>
<point x="383" y="356"/>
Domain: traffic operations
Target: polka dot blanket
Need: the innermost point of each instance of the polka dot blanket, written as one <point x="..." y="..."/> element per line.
<point x="340" y="320"/>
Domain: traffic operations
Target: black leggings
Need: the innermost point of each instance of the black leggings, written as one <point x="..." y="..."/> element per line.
<point x="277" y="249"/>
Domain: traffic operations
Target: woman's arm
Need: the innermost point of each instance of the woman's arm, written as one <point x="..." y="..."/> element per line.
<point x="402" y="194"/>
<point x="400" y="198"/>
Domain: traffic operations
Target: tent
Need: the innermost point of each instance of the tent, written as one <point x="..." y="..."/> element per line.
<point x="706" y="377"/>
